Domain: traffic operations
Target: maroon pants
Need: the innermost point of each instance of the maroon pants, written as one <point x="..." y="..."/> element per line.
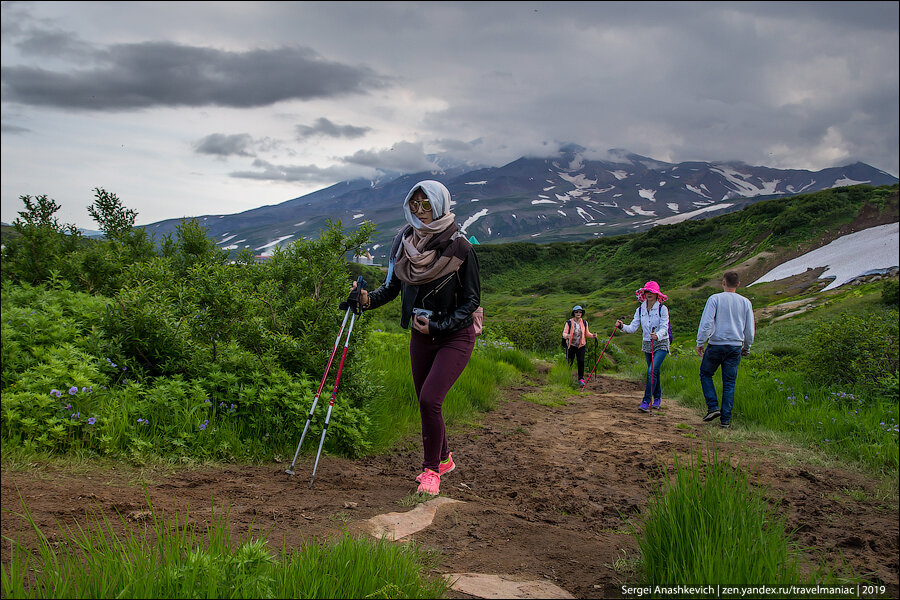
<point x="436" y="365"/>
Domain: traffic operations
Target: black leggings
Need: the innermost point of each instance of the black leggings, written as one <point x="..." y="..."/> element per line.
<point x="578" y="353"/>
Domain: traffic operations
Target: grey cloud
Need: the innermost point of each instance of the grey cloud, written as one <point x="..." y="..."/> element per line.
<point x="402" y="156"/>
<point x="303" y="173"/>
<point x="13" y="129"/>
<point x="326" y="128"/>
<point x="136" y="76"/>
<point x="220" y="144"/>
<point x="451" y="145"/>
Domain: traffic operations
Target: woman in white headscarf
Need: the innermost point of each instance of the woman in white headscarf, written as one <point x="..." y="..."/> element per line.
<point x="435" y="270"/>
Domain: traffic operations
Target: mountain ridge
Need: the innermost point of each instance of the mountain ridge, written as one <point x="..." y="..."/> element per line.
<point x="565" y="197"/>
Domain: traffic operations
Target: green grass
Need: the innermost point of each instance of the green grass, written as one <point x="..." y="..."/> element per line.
<point x="558" y="386"/>
<point x="707" y="525"/>
<point x="394" y="411"/>
<point x="810" y="415"/>
<point x="167" y="559"/>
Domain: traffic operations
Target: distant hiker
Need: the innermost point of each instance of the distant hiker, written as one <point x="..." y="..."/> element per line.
<point x="653" y="319"/>
<point x="575" y="335"/>
<point x="727" y="323"/>
<point x="435" y="270"/>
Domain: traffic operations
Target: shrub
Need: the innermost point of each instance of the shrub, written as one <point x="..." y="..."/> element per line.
<point x="890" y="292"/>
<point x="854" y="350"/>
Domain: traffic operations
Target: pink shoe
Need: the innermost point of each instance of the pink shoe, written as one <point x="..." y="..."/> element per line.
<point x="429" y="483"/>
<point x="446" y="466"/>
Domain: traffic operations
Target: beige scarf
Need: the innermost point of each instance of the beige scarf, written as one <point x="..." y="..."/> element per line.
<point x="430" y="252"/>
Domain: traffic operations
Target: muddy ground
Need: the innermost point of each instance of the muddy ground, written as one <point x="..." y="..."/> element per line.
<point x="548" y="492"/>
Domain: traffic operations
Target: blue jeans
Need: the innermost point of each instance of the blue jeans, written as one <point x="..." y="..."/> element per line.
<point x="658" y="357"/>
<point x="728" y="357"/>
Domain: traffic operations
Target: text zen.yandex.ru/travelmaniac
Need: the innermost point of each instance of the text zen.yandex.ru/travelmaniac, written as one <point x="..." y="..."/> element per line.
<point x="742" y="591"/>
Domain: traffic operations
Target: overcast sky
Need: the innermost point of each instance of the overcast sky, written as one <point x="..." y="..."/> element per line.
<point x="192" y="108"/>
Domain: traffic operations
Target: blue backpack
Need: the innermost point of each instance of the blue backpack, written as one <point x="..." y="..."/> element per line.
<point x="640" y="314"/>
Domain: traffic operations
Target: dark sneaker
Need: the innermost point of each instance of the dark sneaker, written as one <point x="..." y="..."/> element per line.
<point x="644" y="407"/>
<point x="725" y="425"/>
<point x="656" y="404"/>
<point x="711" y="415"/>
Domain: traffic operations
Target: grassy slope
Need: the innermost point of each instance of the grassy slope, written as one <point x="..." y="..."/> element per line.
<point x="530" y="281"/>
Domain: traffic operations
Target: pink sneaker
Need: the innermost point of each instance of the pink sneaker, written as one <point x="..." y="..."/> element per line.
<point x="429" y="482"/>
<point x="446" y="466"/>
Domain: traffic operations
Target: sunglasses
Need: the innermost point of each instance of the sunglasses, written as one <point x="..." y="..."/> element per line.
<point x="415" y="205"/>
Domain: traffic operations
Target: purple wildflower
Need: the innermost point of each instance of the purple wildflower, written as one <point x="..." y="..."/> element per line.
<point x="55" y="392"/>
<point x="203" y="425"/>
<point x="73" y="390"/>
<point x="91" y="421"/>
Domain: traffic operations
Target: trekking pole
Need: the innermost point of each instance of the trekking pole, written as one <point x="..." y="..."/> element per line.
<point x="337" y="380"/>
<point x="652" y="348"/>
<point x="337" y="342"/>
<point x="586" y="381"/>
<point x="361" y="283"/>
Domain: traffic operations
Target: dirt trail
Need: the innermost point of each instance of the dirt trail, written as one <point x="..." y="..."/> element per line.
<point x="545" y="492"/>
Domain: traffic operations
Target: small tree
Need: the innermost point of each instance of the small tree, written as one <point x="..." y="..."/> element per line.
<point x="39" y="251"/>
<point x="114" y="219"/>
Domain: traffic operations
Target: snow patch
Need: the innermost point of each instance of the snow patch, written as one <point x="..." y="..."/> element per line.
<point x="579" y="181"/>
<point x="648" y="194"/>
<point x="696" y="190"/>
<point x="476" y="182"/>
<point x="544" y="201"/>
<point x="844" y="180"/>
<point x="640" y="211"/>
<point x="270" y="246"/>
<point x="847" y="257"/>
<point x="474" y="218"/>
<point x="673" y="207"/>
<point x="356" y="216"/>
<point x="685" y="216"/>
<point x="584" y="214"/>
<point x="620" y="175"/>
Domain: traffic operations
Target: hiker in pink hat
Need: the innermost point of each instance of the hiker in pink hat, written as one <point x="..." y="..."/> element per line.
<point x="653" y="319"/>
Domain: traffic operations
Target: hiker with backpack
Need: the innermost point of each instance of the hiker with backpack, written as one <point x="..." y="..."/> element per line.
<point x="574" y="341"/>
<point x="653" y="319"/>
<point x="434" y="269"/>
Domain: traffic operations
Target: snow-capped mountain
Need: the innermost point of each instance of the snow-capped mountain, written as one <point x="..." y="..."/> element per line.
<point x="568" y="196"/>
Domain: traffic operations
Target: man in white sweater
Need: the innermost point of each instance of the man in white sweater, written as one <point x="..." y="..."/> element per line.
<point x="727" y="324"/>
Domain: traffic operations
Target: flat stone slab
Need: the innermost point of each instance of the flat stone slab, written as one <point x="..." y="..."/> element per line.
<point x="501" y="586"/>
<point x="398" y="525"/>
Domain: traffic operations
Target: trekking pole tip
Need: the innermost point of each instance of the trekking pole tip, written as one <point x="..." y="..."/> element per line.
<point x="290" y="472"/>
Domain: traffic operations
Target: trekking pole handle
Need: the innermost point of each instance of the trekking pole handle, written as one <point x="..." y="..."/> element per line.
<point x="355" y="294"/>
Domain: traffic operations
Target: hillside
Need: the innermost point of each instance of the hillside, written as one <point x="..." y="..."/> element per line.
<point x="532" y="286"/>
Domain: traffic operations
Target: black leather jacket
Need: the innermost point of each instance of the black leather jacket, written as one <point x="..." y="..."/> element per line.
<point x="451" y="298"/>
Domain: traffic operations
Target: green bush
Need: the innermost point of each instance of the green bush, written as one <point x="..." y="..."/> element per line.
<point x="890" y="292"/>
<point x="854" y="350"/>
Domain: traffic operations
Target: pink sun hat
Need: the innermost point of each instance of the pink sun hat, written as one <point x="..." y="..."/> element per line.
<point x="653" y="288"/>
